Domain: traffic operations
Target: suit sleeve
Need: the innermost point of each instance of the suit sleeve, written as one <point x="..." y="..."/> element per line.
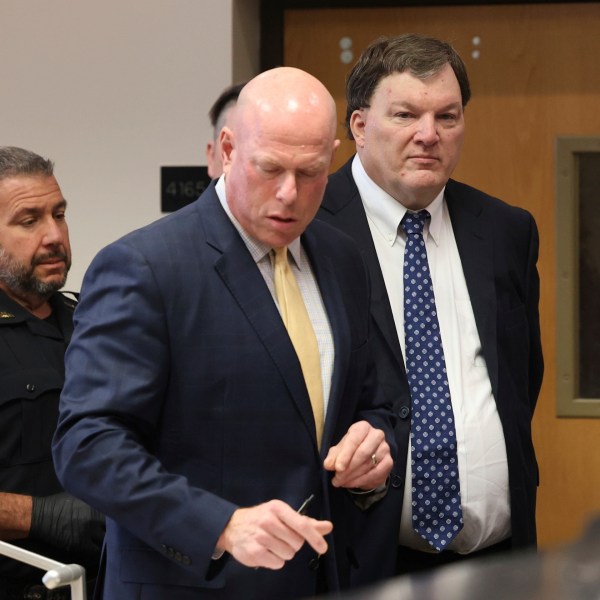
<point x="373" y="405"/>
<point x="536" y="361"/>
<point x="117" y="369"/>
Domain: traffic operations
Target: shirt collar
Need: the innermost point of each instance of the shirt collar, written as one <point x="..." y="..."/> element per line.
<point x="11" y="312"/>
<point x="257" y="249"/>
<point x="385" y="212"/>
<point x="435" y="209"/>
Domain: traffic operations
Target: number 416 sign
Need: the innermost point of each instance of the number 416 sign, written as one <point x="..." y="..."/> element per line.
<point x="181" y="185"/>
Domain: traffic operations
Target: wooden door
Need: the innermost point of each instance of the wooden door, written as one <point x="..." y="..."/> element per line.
<point x="535" y="75"/>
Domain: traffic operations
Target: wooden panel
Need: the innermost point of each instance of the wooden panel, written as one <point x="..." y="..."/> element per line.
<point x="537" y="76"/>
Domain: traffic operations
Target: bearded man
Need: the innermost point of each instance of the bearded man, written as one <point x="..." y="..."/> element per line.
<point x="36" y="322"/>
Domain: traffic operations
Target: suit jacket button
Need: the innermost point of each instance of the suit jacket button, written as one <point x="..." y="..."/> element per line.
<point x="404" y="412"/>
<point x="178" y="556"/>
<point x="396" y="481"/>
<point x="313" y="564"/>
<point x="186" y="560"/>
<point x="30" y="387"/>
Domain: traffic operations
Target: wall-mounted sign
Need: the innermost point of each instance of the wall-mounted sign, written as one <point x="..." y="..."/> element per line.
<point x="181" y="185"/>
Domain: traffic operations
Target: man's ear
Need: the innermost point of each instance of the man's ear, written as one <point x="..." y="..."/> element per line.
<point x="227" y="140"/>
<point x="358" y="121"/>
<point x="336" y="145"/>
<point x="210" y="158"/>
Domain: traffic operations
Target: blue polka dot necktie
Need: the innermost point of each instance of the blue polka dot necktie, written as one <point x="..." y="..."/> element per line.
<point x="436" y="510"/>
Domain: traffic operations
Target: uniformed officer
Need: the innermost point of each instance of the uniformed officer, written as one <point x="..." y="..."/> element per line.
<point x="35" y="327"/>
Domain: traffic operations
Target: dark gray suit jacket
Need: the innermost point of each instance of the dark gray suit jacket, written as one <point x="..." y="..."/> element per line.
<point x="498" y="246"/>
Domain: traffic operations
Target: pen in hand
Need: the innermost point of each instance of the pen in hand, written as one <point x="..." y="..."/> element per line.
<point x="303" y="510"/>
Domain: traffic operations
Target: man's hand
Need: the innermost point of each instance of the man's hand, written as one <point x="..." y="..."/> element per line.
<point x="68" y="523"/>
<point x="270" y="534"/>
<point x="362" y="459"/>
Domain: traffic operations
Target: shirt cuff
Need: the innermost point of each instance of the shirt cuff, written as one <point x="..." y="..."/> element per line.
<point x="366" y="498"/>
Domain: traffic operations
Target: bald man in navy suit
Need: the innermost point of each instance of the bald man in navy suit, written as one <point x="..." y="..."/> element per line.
<point x="186" y="416"/>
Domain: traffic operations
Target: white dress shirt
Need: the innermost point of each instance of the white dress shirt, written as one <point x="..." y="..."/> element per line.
<point x="481" y="449"/>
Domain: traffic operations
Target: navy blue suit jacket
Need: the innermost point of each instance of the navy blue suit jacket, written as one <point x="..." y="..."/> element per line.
<point x="498" y="247"/>
<point x="184" y="399"/>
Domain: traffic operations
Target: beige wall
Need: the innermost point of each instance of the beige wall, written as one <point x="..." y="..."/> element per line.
<point x="113" y="90"/>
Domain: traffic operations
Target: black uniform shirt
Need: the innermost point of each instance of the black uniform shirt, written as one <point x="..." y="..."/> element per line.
<point x="32" y="375"/>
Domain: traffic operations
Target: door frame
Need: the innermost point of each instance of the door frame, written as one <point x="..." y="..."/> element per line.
<point x="272" y="17"/>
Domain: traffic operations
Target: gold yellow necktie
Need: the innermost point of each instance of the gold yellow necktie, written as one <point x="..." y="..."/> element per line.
<point x="295" y="318"/>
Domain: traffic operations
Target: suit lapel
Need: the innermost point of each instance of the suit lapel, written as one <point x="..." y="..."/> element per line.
<point x="344" y="203"/>
<point x="474" y="240"/>
<point x="326" y="276"/>
<point x="238" y="271"/>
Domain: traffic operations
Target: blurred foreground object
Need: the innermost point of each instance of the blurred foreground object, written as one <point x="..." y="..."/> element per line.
<point x="568" y="573"/>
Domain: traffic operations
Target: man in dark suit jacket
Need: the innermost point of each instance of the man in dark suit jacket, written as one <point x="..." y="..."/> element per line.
<point x="185" y="415"/>
<point x="406" y="96"/>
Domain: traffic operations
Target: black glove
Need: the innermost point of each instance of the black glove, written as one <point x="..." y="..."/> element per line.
<point x="67" y="523"/>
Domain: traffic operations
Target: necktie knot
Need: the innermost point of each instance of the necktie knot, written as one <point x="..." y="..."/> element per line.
<point x="280" y="255"/>
<point x="413" y="223"/>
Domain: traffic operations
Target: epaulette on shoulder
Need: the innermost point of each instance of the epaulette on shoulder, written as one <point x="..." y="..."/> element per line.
<point x="70" y="302"/>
